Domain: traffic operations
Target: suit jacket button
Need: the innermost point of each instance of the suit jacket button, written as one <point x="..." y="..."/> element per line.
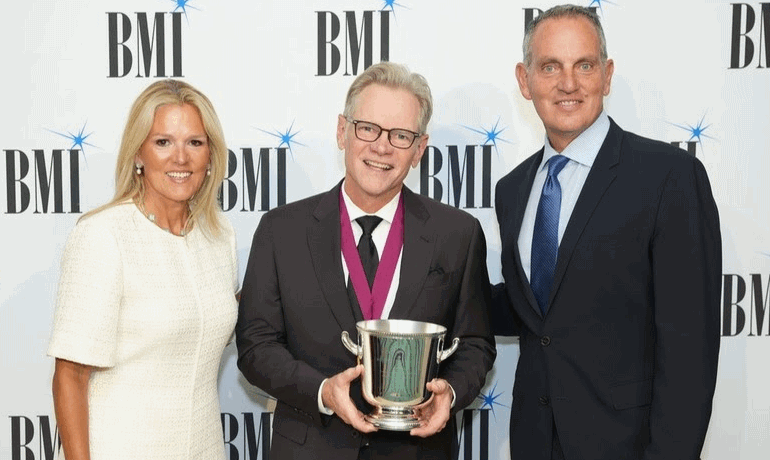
<point x="544" y="401"/>
<point x="545" y="341"/>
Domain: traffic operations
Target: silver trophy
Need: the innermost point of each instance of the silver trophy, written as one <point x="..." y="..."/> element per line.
<point x="400" y="357"/>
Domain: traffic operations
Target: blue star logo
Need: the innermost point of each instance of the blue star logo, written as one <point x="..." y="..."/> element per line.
<point x="287" y="138"/>
<point x="491" y="135"/>
<point x="391" y="4"/>
<point x="490" y="399"/>
<point x="599" y="4"/>
<point x="183" y="5"/>
<point x="697" y="131"/>
<point x="78" y="140"/>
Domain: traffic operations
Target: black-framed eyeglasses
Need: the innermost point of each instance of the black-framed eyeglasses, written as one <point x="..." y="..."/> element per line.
<point x="370" y="132"/>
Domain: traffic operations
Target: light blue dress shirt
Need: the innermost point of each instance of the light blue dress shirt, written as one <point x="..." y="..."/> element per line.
<point x="581" y="153"/>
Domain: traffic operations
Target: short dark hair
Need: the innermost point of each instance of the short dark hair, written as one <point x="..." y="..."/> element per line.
<point x="562" y="11"/>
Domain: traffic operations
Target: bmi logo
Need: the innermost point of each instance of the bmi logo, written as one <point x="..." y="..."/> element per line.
<point x="45" y="181"/>
<point x="745" y="301"/>
<point x="247" y="435"/>
<point x="353" y="36"/>
<point x="697" y="132"/>
<point x="749" y="36"/>
<point x="464" y="442"/>
<point x="461" y="170"/>
<point x="38" y="437"/>
<point x="459" y="176"/>
<point x="23" y="434"/>
<point x="258" y="168"/>
<point x="253" y="432"/>
<point x="148" y="44"/>
<point x="532" y="13"/>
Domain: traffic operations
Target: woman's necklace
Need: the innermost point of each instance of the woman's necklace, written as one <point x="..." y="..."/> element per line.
<point x="151" y="217"/>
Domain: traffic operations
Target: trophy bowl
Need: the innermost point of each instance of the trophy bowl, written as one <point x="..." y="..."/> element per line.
<point x="400" y="357"/>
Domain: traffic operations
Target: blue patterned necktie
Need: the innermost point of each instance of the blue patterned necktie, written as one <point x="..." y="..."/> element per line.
<point x="545" y="240"/>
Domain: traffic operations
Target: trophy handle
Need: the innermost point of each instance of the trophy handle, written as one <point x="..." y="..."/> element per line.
<point x="352" y="347"/>
<point x="443" y="355"/>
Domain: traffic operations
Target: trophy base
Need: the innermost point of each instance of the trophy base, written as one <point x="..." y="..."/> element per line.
<point x="393" y="421"/>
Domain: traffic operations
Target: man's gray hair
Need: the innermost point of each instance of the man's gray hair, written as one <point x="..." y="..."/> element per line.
<point x="563" y="11"/>
<point x="396" y="76"/>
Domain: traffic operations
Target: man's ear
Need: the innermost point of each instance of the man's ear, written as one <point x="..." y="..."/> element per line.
<point x="341" y="122"/>
<point x="521" y="77"/>
<point x="609" y="68"/>
<point x="420" y="150"/>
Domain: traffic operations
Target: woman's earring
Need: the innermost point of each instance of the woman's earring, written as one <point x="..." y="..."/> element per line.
<point x="208" y="171"/>
<point x="138" y="169"/>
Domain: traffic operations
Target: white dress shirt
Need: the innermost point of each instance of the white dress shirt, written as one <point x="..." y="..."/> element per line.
<point x="581" y="152"/>
<point x="379" y="236"/>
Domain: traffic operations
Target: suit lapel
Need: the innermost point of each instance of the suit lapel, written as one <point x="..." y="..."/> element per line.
<point x="416" y="256"/>
<point x="324" y="245"/>
<point x="600" y="177"/>
<point x="521" y="196"/>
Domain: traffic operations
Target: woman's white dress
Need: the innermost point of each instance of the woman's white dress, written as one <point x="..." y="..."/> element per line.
<point x="152" y="312"/>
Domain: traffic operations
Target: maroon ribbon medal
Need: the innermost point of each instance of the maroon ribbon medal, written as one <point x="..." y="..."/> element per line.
<point x="372" y="301"/>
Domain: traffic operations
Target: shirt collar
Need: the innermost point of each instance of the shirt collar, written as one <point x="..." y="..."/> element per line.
<point x="584" y="148"/>
<point x="386" y="213"/>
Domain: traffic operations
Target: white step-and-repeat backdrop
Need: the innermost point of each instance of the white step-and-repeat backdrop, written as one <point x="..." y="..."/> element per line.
<point x="690" y="72"/>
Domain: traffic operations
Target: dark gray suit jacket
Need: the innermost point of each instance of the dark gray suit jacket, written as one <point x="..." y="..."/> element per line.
<point x="295" y="305"/>
<point x="625" y="361"/>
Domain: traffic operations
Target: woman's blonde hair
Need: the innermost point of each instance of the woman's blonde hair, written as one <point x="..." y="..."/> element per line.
<point x="204" y="205"/>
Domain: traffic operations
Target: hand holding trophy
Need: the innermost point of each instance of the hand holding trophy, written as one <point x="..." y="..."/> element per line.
<point x="400" y="357"/>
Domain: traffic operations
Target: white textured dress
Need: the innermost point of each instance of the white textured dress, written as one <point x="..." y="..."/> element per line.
<point x="152" y="312"/>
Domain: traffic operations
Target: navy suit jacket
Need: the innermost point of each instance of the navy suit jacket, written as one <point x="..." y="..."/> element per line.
<point x="294" y="307"/>
<point x="624" y="362"/>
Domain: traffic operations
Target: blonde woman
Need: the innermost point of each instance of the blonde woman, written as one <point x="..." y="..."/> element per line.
<point x="145" y="304"/>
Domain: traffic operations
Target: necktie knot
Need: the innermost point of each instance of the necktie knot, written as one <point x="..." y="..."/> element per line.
<point x="368" y="224"/>
<point x="556" y="164"/>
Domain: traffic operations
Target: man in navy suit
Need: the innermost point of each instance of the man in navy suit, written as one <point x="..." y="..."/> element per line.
<point x="295" y="303"/>
<point x="611" y="257"/>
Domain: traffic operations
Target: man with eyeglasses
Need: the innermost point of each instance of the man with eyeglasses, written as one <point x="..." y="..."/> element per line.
<point x="408" y="257"/>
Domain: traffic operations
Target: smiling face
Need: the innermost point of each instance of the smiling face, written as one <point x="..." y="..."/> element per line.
<point x="175" y="156"/>
<point x="375" y="171"/>
<point x="566" y="79"/>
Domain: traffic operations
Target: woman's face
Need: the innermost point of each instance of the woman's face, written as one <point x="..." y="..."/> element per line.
<point x="175" y="156"/>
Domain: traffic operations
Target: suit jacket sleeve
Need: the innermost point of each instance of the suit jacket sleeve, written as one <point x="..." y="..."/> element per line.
<point x="263" y="357"/>
<point x="505" y="321"/>
<point x="466" y="370"/>
<point x="687" y="262"/>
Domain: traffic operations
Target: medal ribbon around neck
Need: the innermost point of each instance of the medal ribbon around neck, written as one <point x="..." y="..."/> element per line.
<point x="372" y="302"/>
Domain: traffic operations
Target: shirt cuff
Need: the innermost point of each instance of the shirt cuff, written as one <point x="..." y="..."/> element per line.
<point x="326" y="411"/>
